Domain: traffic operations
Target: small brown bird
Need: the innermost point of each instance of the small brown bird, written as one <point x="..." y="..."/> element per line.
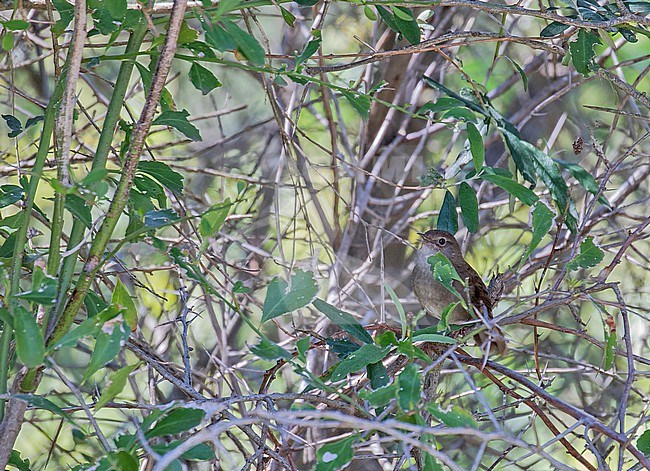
<point x="434" y="297"/>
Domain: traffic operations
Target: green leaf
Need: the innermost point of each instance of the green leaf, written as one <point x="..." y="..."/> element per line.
<point x="8" y="45"/>
<point x="438" y="338"/>
<point x="380" y="396"/>
<point x="358" y="101"/>
<point x="306" y="3"/>
<point x="43" y="290"/>
<point x="302" y="346"/>
<point x="609" y="349"/>
<point x="448" y="217"/>
<point x="643" y="443"/>
<point x="523" y="194"/>
<point x="582" y="51"/>
<point x="445" y="273"/>
<point x="406" y="24"/>
<point x="377" y="374"/>
<point x="201" y="452"/>
<point x="17" y="462"/>
<point x="409" y="387"/>
<point x="169" y="178"/>
<point x="216" y="36"/>
<point x="178" y="120"/>
<point x="398" y="306"/>
<point x="553" y="29"/>
<point x="520" y="71"/>
<point x="246" y="44"/>
<point x="344" y="320"/>
<point x="177" y="421"/>
<point x="288" y="17"/>
<point x="13" y="123"/>
<point x="590" y="256"/>
<point x="66" y="12"/>
<point x="585" y="179"/>
<point x="115" y="385"/>
<point x="79" y="209"/>
<point x="187" y="34"/>
<point x="213" y="218"/>
<point x="122" y="300"/>
<point x="455" y="417"/>
<point x="150" y="189"/>
<point x="10" y="194"/>
<point x="281" y="300"/>
<point x="522" y="154"/>
<point x="203" y="79"/>
<point x="34" y="120"/>
<point x="335" y="455"/>
<point x="30" y="346"/>
<point x="358" y="360"/>
<point x="467" y="103"/>
<point x="107" y="346"/>
<point x="42" y="403"/>
<point x="468" y="207"/>
<point x="387" y="17"/>
<point x="268" y="350"/>
<point x="94" y="304"/>
<point x="462" y="114"/>
<point x="88" y="327"/>
<point x="159" y="218"/>
<point x="431" y="463"/>
<point x="542" y="223"/>
<point x="443" y="103"/>
<point x="310" y="49"/>
<point x="15" y="25"/>
<point x="476" y="146"/>
<point x="343" y="348"/>
<point x="117" y="461"/>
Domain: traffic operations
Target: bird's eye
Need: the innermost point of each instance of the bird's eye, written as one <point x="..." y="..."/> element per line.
<point x="442" y="241"/>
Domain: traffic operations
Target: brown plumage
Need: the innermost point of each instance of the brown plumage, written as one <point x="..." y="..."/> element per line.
<point x="434" y="297"/>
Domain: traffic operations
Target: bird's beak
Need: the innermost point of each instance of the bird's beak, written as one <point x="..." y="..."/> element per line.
<point x="421" y="234"/>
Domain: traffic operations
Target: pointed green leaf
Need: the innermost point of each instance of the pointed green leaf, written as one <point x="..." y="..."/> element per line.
<point x="122" y="300"/>
<point x="246" y="43"/>
<point x="409" y="387"/>
<point x="448" y="217"/>
<point x="335" y="455"/>
<point x="476" y="146"/>
<point x="268" y="350"/>
<point x="107" y="346"/>
<point x="358" y="360"/>
<point x="609" y="349"/>
<point x="281" y="300"/>
<point x="10" y="194"/>
<point x="344" y="320"/>
<point x="523" y="194"/>
<point x="468" y="207"/>
<point x="79" y="209"/>
<point x="542" y="223"/>
<point x="310" y="49"/>
<point x="160" y="218"/>
<point x="455" y="417"/>
<point x="115" y="385"/>
<point x="643" y="443"/>
<point x="406" y="24"/>
<point x="203" y="79"/>
<point x="179" y="121"/>
<point x="582" y="51"/>
<point x="358" y="101"/>
<point x="553" y="29"/>
<point x="30" y="346"/>
<point x="163" y="173"/>
<point x="177" y="421"/>
<point x="590" y="256"/>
